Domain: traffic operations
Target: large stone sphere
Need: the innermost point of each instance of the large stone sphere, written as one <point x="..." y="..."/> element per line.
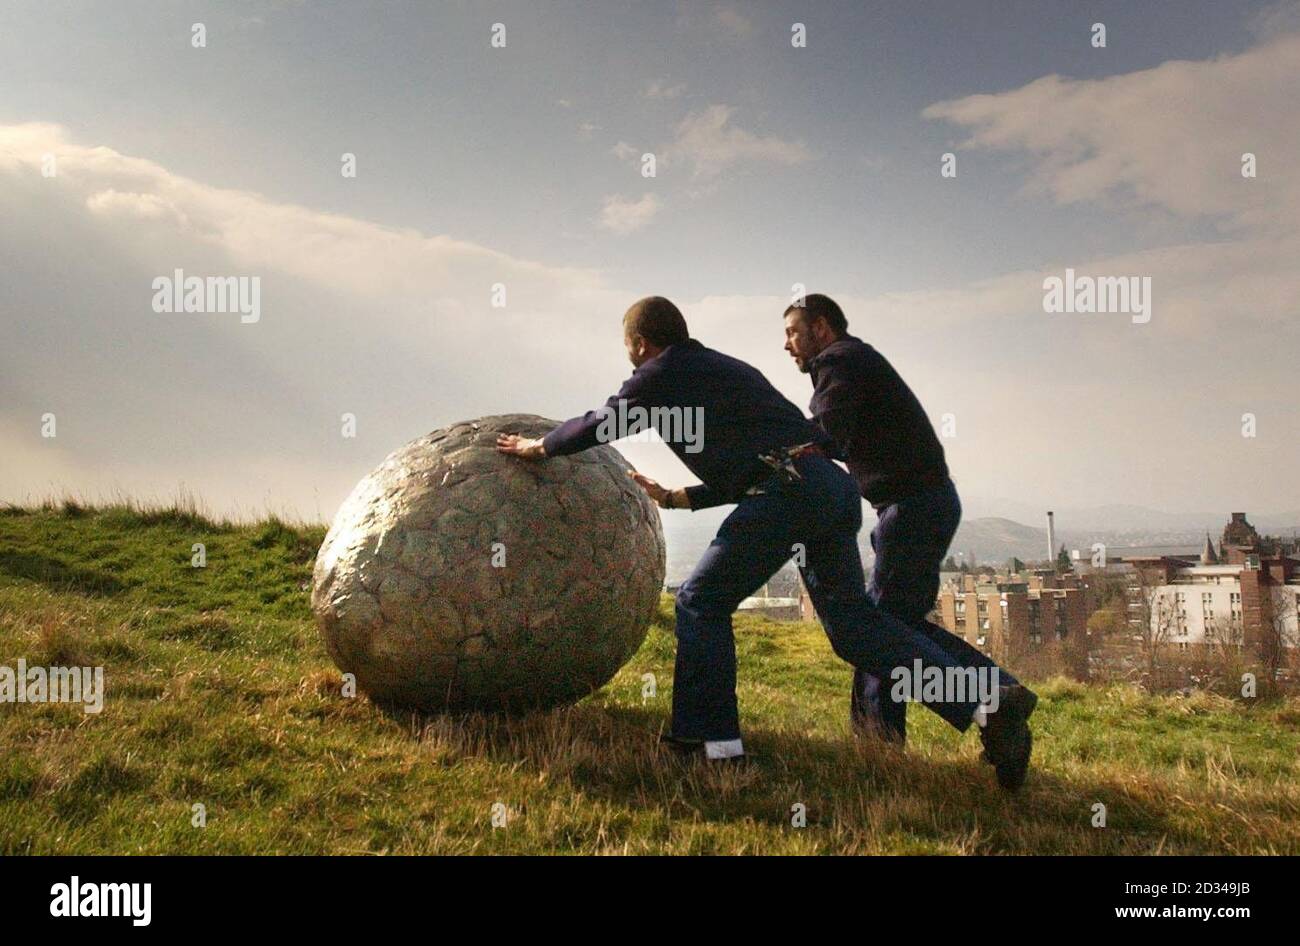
<point x="456" y="577"/>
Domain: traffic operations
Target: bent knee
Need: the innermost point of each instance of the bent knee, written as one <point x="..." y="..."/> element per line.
<point x="700" y="603"/>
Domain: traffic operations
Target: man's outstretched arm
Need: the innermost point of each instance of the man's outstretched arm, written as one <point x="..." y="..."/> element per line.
<point x="577" y="433"/>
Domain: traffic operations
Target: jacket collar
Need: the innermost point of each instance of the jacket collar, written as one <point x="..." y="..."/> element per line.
<point x="839" y="346"/>
<point x="670" y="352"/>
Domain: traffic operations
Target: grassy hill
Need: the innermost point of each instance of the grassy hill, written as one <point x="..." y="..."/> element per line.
<point x="219" y="693"/>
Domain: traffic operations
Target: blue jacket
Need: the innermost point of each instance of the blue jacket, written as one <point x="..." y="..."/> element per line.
<point x="742" y="416"/>
<point x="879" y="427"/>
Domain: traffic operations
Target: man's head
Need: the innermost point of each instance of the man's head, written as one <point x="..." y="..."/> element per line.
<point x="810" y="327"/>
<point x="650" y="326"/>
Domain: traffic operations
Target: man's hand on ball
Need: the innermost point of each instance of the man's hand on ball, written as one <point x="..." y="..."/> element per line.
<point x="521" y="447"/>
<point x="666" y="498"/>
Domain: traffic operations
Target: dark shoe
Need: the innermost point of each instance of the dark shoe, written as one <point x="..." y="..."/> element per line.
<point x="1008" y="742"/>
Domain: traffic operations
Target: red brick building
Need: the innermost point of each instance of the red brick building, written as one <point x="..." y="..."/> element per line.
<point x="1002" y="614"/>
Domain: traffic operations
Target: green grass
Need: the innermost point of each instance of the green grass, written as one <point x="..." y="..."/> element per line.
<point x="219" y="693"/>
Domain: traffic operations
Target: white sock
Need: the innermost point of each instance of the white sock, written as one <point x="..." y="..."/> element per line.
<point x="723" y="748"/>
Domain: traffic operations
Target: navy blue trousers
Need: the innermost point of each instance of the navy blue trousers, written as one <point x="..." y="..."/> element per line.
<point x="910" y="540"/>
<point x="817" y="516"/>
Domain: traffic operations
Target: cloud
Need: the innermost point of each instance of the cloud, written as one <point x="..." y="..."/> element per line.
<point x="392" y="324"/>
<point x="1170" y="137"/>
<point x="711" y="144"/>
<point x="1198" y="290"/>
<point x="623" y="216"/>
<point x="660" y="89"/>
<point x="624" y="151"/>
<point x="361" y="259"/>
<point x="147" y="206"/>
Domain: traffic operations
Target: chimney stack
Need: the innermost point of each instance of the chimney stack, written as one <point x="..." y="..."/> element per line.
<point x="1051" y="537"/>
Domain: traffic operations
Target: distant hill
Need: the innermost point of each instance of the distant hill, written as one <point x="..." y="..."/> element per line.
<point x="1124" y="518"/>
<point x="994" y="539"/>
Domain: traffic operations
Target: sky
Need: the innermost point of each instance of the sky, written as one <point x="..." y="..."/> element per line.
<point x="520" y="165"/>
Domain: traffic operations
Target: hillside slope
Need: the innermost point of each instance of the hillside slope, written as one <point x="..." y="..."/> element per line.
<point x="220" y="694"/>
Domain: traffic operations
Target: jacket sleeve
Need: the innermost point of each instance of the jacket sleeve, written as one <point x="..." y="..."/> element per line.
<point x="838" y="405"/>
<point x="584" y="432"/>
<point x="705" y="497"/>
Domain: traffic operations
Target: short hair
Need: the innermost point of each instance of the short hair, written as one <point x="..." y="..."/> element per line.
<point x="656" y="320"/>
<point x="816" y="306"/>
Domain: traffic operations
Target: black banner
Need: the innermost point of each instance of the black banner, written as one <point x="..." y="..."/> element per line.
<point x="141" y="896"/>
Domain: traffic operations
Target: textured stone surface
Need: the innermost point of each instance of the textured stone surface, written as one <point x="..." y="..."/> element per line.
<point x="408" y="599"/>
